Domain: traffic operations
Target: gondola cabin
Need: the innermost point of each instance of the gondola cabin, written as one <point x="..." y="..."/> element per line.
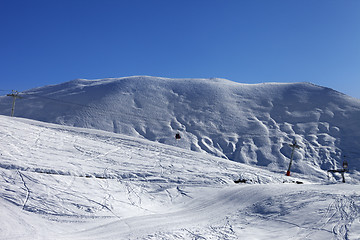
<point x="177" y="136"/>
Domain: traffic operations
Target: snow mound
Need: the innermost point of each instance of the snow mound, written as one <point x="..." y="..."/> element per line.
<point x="247" y="123"/>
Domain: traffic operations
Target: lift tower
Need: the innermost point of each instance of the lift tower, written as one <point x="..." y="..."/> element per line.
<point x="15" y="95"/>
<point x="293" y="145"/>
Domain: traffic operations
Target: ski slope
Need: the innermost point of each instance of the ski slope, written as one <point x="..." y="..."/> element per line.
<point x="247" y="123"/>
<point x="61" y="182"/>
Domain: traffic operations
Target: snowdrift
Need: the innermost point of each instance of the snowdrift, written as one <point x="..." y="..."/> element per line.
<point x="252" y="124"/>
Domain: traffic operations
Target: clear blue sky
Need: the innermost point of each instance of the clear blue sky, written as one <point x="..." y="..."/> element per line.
<point x="249" y="41"/>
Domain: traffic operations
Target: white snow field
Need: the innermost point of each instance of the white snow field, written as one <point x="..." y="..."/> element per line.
<point x="100" y="160"/>
<point x="247" y="123"/>
<point x="62" y="182"/>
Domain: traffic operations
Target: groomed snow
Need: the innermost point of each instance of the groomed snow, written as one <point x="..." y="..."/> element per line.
<point x="61" y="182"/>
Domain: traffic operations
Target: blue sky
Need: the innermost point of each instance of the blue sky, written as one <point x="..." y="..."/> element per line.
<point x="248" y="41"/>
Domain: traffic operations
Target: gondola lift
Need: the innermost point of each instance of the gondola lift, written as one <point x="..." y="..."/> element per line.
<point x="177" y="136"/>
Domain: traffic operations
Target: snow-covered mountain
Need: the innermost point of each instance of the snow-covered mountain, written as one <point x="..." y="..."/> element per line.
<point x="59" y="182"/>
<point x="247" y="123"/>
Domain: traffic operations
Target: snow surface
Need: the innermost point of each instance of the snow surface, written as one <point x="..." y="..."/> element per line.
<point x="91" y="172"/>
<point x="247" y="123"/>
<point x="61" y="182"/>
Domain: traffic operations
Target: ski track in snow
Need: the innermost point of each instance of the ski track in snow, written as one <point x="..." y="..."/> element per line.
<point x="26" y="187"/>
<point x="68" y="183"/>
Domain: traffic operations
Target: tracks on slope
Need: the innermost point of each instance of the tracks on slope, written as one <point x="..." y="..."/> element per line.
<point x="27" y="189"/>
